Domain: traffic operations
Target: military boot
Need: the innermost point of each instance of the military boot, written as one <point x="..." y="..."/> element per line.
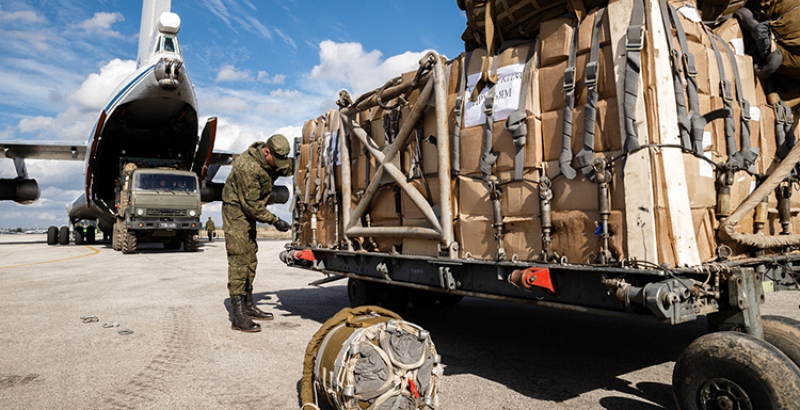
<point x="253" y="311"/>
<point x="240" y="320"/>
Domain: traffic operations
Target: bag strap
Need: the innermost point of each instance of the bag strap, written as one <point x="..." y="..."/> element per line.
<point x="585" y="157"/>
<point x="565" y="158"/>
<point x="633" y="49"/>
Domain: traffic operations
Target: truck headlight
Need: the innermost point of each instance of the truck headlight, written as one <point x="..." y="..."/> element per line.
<point x="192" y="212"/>
<point x="140" y="212"/>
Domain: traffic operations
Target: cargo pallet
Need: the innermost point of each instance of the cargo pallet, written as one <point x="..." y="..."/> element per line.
<point x="753" y="366"/>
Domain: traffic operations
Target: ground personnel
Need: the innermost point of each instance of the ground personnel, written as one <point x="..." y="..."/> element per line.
<point x="244" y="202"/>
<point x="210" y="228"/>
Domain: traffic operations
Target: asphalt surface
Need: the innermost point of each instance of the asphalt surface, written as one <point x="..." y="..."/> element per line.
<point x="182" y="353"/>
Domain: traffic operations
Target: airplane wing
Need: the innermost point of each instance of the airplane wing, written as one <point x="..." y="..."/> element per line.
<point x="50" y="150"/>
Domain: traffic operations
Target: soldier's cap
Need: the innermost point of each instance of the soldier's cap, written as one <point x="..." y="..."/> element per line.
<point x="279" y="147"/>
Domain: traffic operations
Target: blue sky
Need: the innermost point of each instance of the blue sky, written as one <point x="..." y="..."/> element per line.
<point x="259" y="66"/>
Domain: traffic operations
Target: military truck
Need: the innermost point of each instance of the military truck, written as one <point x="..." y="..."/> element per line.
<point x="157" y="205"/>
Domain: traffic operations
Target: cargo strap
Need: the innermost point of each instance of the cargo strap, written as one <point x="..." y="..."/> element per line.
<point x="748" y="152"/>
<point x="516" y="123"/>
<point x="321" y="158"/>
<point x="691" y="123"/>
<point x="565" y="158"/>
<point x="332" y="152"/>
<point x="488" y="157"/>
<point x="783" y="128"/>
<point x="489" y="61"/>
<point x="734" y="157"/>
<point x="367" y="155"/>
<point x="585" y="157"/>
<point x="458" y="110"/>
<point x="633" y="69"/>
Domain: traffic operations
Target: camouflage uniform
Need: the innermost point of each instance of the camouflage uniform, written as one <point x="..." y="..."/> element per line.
<point x="244" y="202"/>
<point x="210" y="228"/>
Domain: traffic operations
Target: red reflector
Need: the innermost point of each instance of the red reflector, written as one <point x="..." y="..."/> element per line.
<point x="141" y="224"/>
<point x="306" y="255"/>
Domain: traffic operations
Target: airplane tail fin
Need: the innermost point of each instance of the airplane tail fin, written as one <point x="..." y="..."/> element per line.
<point x="151" y="10"/>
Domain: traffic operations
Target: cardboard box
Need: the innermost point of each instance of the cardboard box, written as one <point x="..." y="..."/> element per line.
<point x="520" y="199"/>
<point x="556" y="37"/>
<point x="523" y="238"/>
<point x="473" y="196"/>
<point x="388" y="243"/>
<point x="471" y="143"/>
<point x="581" y="194"/>
<point x="574" y="235"/>
<point x="431" y="193"/>
<point x="416" y="246"/>
<point x="384" y="206"/>
<point x="586" y="30"/>
<point x="475" y="235"/>
<point x="700" y="182"/>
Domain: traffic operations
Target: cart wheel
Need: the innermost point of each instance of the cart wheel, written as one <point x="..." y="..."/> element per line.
<point x="728" y="370"/>
<point x="783" y="333"/>
<point x="422" y="298"/>
<point x="394" y="298"/>
<point x="449" y="299"/>
<point x="361" y="292"/>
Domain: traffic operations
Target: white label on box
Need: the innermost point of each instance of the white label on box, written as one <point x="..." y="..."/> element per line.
<point x="755" y="113"/>
<point x="707" y="142"/>
<point x="690" y="13"/>
<point x="738" y="46"/>
<point x="706" y="170"/>
<point x="506" y="95"/>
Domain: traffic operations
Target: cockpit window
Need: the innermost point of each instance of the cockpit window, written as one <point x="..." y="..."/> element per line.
<point x="167" y="44"/>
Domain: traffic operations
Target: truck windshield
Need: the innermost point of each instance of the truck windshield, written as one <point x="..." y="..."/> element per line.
<point x="165" y="182"/>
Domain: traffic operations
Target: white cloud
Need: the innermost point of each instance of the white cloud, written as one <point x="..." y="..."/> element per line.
<point x="286" y="94"/>
<point x="231" y="73"/>
<point x="101" y="24"/>
<point x="360" y="71"/>
<point x="264" y="77"/>
<point x="24" y="16"/>
<point x="95" y="90"/>
<point x="226" y="104"/>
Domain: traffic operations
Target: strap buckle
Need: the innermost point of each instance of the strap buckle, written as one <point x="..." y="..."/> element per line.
<point x="591" y="74"/>
<point x="688" y="59"/>
<point x="780" y="113"/>
<point x="459" y="104"/>
<point x="725" y="87"/>
<point x="569" y="79"/>
<point x="488" y="105"/>
<point x="745" y="110"/>
<point x="635" y="38"/>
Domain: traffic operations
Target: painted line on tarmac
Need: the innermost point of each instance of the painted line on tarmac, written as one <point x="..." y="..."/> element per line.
<point x="94" y="252"/>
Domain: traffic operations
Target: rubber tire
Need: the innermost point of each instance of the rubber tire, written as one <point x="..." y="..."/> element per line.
<point x="449" y="299"/>
<point x="362" y="292"/>
<point x="52" y="235"/>
<point x="191" y="243"/>
<point x="115" y="242"/>
<point x="79" y="238"/>
<point x="90" y="238"/>
<point x="422" y="299"/>
<point x="63" y="236"/>
<point x="769" y="379"/>
<point x="783" y="333"/>
<point x="129" y="241"/>
<point x="394" y="298"/>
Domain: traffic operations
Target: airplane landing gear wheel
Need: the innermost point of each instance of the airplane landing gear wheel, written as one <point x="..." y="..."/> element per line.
<point x="63" y="236"/>
<point x="79" y="236"/>
<point x="727" y="370"/>
<point x="52" y="235"/>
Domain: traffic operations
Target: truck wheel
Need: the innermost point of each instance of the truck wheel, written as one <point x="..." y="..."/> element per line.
<point x="116" y="236"/>
<point x="783" y="333"/>
<point x="422" y="298"/>
<point x="78" y="236"/>
<point x="63" y="236"/>
<point x="52" y="235"/>
<point x="394" y="298"/>
<point x="90" y="235"/>
<point x="361" y="292"/>
<point x="728" y="370"/>
<point x="449" y="299"/>
<point x="129" y="241"/>
<point x="191" y="243"/>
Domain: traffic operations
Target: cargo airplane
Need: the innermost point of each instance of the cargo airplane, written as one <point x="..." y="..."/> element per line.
<point x="151" y="117"/>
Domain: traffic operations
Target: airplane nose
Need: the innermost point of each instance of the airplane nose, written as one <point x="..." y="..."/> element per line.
<point x="169" y="73"/>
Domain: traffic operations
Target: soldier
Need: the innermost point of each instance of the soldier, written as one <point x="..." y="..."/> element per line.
<point x="244" y="202"/>
<point x="210" y="228"/>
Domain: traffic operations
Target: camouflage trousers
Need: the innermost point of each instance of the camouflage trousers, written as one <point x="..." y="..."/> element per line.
<point x="241" y="246"/>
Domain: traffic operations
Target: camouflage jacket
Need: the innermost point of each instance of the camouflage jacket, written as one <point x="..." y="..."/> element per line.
<point x="250" y="183"/>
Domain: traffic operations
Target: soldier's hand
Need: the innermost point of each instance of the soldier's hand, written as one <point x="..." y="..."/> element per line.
<point x="282" y="225"/>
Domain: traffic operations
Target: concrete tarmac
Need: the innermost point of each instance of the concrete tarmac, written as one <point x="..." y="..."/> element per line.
<point x="182" y="353"/>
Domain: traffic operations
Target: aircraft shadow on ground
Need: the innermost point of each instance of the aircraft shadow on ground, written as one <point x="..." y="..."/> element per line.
<point x="540" y="353"/>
